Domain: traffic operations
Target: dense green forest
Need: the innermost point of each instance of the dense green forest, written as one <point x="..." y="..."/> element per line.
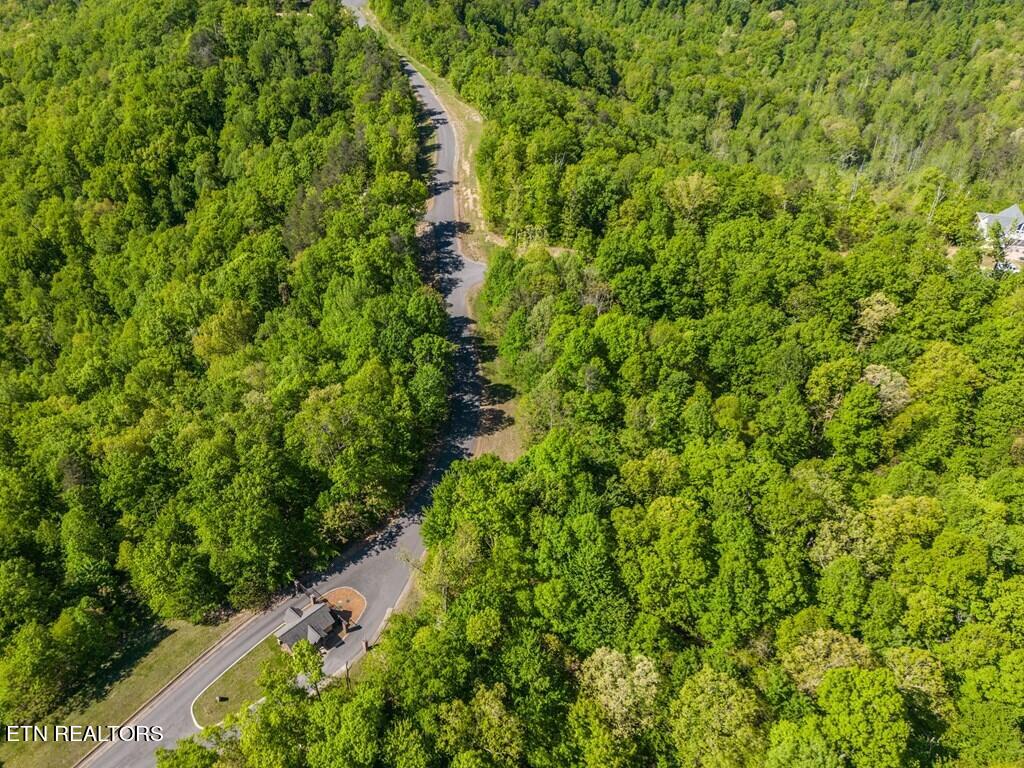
<point x="923" y="98"/>
<point x="218" y="360"/>
<point x="773" y="513"/>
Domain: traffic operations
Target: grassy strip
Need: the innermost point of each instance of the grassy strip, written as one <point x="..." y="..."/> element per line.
<point x="506" y="435"/>
<point x="469" y="126"/>
<point x="507" y="443"/>
<point x="184" y="643"/>
<point x="239" y="685"/>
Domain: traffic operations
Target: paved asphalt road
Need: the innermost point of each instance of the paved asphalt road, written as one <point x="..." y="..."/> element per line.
<point x="378" y="568"/>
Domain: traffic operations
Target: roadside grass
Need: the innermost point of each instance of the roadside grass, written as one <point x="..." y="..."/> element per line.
<point x="502" y="432"/>
<point x="469" y="127"/>
<point x="505" y="438"/>
<point x="363" y="666"/>
<point x="239" y="685"/>
<point x="182" y="643"/>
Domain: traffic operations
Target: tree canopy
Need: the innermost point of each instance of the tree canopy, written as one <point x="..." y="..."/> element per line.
<point x="218" y="359"/>
<point x="771" y="513"/>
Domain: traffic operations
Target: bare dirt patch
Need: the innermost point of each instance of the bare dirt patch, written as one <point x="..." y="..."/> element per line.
<point x="500" y="433"/>
<point x="348" y="603"/>
<point x="501" y="437"/>
<point x="468" y="125"/>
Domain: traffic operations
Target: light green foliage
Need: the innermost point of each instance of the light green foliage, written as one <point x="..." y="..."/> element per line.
<point x="863" y="716"/>
<point x="842" y="592"/>
<point x="347" y="728"/>
<point x="810" y="659"/>
<point x="896" y="117"/>
<point x="306" y="661"/>
<point x="218" y="361"/>
<point x="775" y="419"/>
<point x="921" y="678"/>
<point x="715" y="723"/>
<point x="853" y="431"/>
<point x="801" y="745"/>
<point x="405" y="746"/>
<point x="187" y="754"/>
<point x="595" y="739"/>
<point x="267" y="733"/>
<point x="664" y="558"/>
<point x="626" y="690"/>
<point x="22" y="595"/>
<point x="32" y="674"/>
<point x="484" y="723"/>
<point x="483" y="629"/>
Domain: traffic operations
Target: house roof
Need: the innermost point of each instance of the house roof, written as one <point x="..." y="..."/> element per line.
<point x="313" y="624"/>
<point x="1010" y="220"/>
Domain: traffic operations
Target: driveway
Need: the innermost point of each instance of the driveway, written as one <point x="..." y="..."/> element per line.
<point x="378" y="568"/>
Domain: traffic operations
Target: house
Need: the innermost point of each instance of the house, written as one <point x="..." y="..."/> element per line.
<point x="1009" y="224"/>
<point x="314" y="623"/>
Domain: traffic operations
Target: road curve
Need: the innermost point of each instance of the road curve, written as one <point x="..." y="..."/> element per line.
<point x="378" y="568"/>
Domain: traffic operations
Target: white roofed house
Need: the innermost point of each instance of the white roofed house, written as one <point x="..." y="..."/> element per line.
<point x="1008" y="226"/>
<point x="314" y="623"/>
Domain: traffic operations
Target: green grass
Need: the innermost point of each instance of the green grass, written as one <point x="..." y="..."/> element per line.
<point x="467" y="117"/>
<point x="183" y="643"/>
<point x="469" y="126"/>
<point x="238" y="685"/>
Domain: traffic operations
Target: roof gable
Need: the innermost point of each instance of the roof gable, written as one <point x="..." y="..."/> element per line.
<point x="1013" y="212"/>
<point x="1009" y="220"/>
<point x="313" y="623"/>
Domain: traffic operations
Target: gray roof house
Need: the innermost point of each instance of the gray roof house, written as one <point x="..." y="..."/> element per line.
<point x="1010" y="220"/>
<point x="313" y="623"/>
<point x="1011" y="227"/>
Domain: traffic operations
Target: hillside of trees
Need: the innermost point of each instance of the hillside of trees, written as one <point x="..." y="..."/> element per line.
<point x="218" y="359"/>
<point x="918" y="101"/>
<point x="775" y="520"/>
<point x="773" y="511"/>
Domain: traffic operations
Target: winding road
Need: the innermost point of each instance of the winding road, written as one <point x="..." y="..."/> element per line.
<point x="378" y="568"/>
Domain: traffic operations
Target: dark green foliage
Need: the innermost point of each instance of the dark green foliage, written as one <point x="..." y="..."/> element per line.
<point x="218" y="362"/>
<point x="918" y="97"/>
<point x="773" y="480"/>
<point x="772" y="511"/>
